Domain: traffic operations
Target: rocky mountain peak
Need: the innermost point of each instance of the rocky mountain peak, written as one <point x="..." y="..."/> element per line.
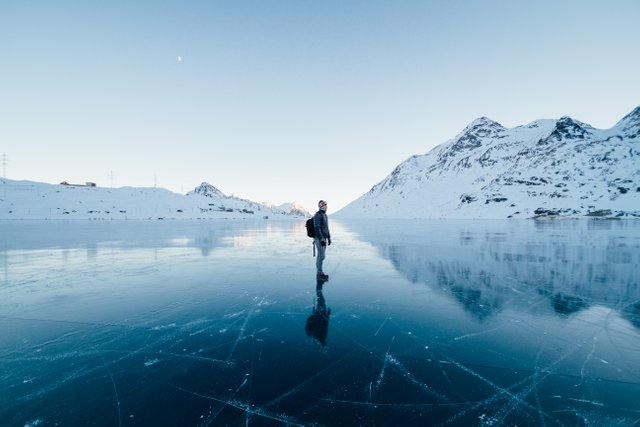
<point x="567" y="128"/>
<point x="207" y="190"/>
<point x="634" y="115"/>
<point x="630" y="123"/>
<point x="483" y="127"/>
<point x="472" y="135"/>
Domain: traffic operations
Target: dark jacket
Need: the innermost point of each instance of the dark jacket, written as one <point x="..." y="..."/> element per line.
<point x="321" y="225"/>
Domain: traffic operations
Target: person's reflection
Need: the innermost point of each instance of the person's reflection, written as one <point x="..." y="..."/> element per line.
<point x="318" y="322"/>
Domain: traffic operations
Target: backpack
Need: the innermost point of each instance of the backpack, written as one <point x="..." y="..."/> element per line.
<point x="311" y="231"/>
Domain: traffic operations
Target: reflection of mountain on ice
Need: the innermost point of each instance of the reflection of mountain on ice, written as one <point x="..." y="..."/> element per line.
<point x="96" y="235"/>
<point x="493" y="265"/>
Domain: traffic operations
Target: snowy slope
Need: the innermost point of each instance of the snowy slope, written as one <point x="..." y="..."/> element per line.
<point x="291" y="209"/>
<point x="548" y="167"/>
<point x="33" y="200"/>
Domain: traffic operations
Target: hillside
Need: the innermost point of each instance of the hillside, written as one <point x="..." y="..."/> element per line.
<point x="33" y="200"/>
<point x="547" y="168"/>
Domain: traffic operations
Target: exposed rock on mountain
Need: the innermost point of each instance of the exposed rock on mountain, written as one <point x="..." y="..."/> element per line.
<point x="207" y="190"/>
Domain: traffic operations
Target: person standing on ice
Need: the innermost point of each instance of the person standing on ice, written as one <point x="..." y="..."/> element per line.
<point x="322" y="237"/>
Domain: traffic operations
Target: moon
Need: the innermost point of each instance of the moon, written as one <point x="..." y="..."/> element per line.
<point x="179" y="58"/>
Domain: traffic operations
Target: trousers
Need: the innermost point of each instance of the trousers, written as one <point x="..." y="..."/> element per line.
<point x="320" y="255"/>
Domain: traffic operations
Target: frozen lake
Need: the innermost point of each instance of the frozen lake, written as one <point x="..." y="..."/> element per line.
<point x="222" y="323"/>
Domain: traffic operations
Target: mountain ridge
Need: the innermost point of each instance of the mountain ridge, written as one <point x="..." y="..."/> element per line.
<point x="548" y="167"/>
<point x="35" y="200"/>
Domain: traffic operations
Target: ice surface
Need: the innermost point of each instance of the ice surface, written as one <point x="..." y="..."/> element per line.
<point x="223" y="323"/>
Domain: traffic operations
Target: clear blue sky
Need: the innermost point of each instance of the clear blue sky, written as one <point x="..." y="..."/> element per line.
<point x="293" y="100"/>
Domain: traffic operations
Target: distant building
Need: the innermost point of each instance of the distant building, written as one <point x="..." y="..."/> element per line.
<point x="86" y="184"/>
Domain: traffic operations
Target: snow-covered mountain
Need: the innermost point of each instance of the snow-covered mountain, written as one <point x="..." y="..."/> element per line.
<point x="207" y="190"/>
<point x="546" y="168"/>
<point x="291" y="209"/>
<point x="33" y="200"/>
